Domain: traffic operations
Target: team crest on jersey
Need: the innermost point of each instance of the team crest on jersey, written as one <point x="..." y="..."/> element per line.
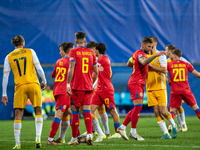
<point x="141" y="94"/>
<point x="155" y="61"/>
<point x="139" y="56"/>
<point x="64" y="107"/>
<point x="60" y="63"/>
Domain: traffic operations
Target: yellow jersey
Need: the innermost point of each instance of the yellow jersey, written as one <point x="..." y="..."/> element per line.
<point x="23" y="67"/>
<point x="156" y="80"/>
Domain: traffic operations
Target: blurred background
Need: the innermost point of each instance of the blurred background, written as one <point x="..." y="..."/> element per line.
<point x="120" y="24"/>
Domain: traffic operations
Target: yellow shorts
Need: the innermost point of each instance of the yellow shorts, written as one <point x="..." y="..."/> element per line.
<point x="158" y="97"/>
<point x="28" y="91"/>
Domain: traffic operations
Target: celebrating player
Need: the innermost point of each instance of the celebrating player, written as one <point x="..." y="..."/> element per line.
<point x="104" y="93"/>
<point x="23" y="61"/>
<point x="180" y="113"/>
<point x="59" y="92"/>
<point x="180" y="89"/>
<point x="136" y="85"/>
<point x="82" y="74"/>
<point x="157" y="92"/>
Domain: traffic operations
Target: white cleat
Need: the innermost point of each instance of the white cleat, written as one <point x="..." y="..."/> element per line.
<point x="122" y="133"/>
<point x="136" y="137"/>
<point x="100" y="138"/>
<point x="114" y="136"/>
<point x="184" y="127"/>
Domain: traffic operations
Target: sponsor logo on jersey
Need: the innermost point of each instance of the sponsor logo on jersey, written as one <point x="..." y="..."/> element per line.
<point x="141" y="94"/>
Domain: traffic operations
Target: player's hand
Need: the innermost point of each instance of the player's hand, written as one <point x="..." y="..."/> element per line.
<point x="69" y="91"/>
<point x="160" y="53"/>
<point x="44" y="86"/>
<point x="100" y="69"/>
<point x="4" y="100"/>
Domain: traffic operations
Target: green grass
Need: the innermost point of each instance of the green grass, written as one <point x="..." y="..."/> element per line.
<point x="147" y="127"/>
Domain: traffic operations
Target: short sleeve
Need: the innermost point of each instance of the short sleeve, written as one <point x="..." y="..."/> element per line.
<point x="163" y="60"/>
<point x="190" y="67"/>
<point x="72" y="56"/>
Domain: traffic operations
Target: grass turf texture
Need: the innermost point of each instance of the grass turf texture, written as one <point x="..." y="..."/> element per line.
<point x="147" y="127"/>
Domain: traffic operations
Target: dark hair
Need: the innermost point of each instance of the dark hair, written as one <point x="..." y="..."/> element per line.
<point x="17" y="40"/>
<point x="66" y="46"/>
<point x="154" y="38"/>
<point x="170" y="47"/>
<point x="101" y="47"/>
<point x="91" y="44"/>
<point x="146" y="40"/>
<point x="80" y="37"/>
<point x="177" y="52"/>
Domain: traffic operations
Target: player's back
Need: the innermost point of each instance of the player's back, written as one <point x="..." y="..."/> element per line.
<point x="104" y="77"/>
<point x="139" y="71"/>
<point x="60" y="74"/>
<point x="178" y="71"/>
<point x="21" y="63"/>
<point x="85" y="59"/>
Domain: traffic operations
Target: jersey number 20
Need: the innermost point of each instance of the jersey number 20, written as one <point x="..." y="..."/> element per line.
<point x="179" y="74"/>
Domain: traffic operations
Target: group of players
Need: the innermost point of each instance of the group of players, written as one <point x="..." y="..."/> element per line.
<point x="78" y="73"/>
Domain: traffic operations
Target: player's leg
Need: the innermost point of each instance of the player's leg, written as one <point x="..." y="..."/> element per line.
<point x="178" y="118"/>
<point x="196" y="109"/>
<point x="182" y="118"/>
<point x="96" y="125"/>
<point x="88" y="123"/>
<point x="20" y="100"/>
<point x="104" y="119"/>
<point x="134" y="119"/>
<point x="161" y="122"/>
<point x="17" y="127"/>
<point x="64" y="125"/>
<point x="54" y="127"/>
<point x="116" y="121"/>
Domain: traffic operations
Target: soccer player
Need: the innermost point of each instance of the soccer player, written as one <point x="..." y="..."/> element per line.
<point x="180" y="113"/>
<point x="180" y="89"/>
<point x="82" y="74"/>
<point x="136" y="84"/>
<point x="104" y="93"/>
<point x="101" y="110"/>
<point x="59" y="92"/>
<point x="23" y="62"/>
<point x="157" y="92"/>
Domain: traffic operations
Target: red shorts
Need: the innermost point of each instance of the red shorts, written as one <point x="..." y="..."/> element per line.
<point x="136" y="90"/>
<point x="106" y="97"/>
<point x="62" y="102"/>
<point x="81" y="97"/>
<point x="187" y="96"/>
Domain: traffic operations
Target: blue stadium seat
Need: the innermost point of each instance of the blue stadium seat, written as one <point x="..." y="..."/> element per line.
<point x="125" y="98"/>
<point x="117" y="99"/>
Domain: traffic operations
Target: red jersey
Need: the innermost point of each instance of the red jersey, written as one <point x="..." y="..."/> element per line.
<point x="85" y="59"/>
<point x="60" y="75"/>
<point x="178" y="72"/>
<point x="104" y="77"/>
<point x="139" y="71"/>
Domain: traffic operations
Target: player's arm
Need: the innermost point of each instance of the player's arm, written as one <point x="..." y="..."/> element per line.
<point x="130" y="62"/>
<point x="158" y="69"/>
<point x="70" y="75"/>
<point x="95" y="73"/>
<point x="145" y="61"/>
<point x="6" y="73"/>
<point x="39" y="69"/>
<point x="196" y="73"/>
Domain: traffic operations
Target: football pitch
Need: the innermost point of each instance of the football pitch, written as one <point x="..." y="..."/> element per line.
<point x="147" y="127"/>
